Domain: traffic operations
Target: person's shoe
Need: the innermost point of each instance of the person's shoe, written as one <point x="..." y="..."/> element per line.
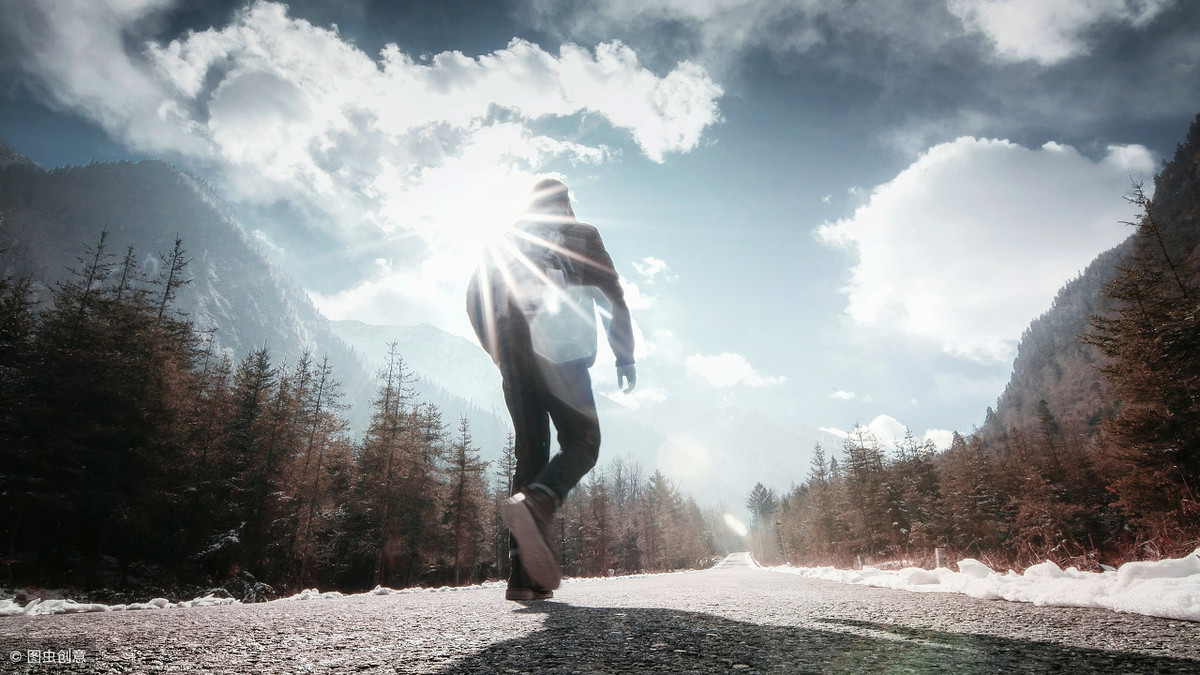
<point x="527" y="594"/>
<point x="529" y="514"/>
<point x="521" y="588"/>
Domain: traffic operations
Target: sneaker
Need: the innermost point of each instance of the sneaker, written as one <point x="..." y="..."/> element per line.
<point x="529" y="514"/>
<point x="521" y="588"/>
<point x="527" y="594"/>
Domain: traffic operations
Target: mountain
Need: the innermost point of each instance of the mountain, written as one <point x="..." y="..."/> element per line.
<point x="452" y="372"/>
<point x="455" y="363"/>
<point x="1052" y="363"/>
<point x="234" y="291"/>
<point x="9" y="156"/>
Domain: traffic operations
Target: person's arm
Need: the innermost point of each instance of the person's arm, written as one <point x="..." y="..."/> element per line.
<point x="601" y="273"/>
<point x="482" y="316"/>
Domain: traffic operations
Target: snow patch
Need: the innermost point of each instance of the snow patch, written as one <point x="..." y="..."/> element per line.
<point x="38" y="607"/>
<point x="1166" y="588"/>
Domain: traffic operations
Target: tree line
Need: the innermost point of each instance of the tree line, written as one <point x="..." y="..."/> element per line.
<point x="134" y="451"/>
<point x="1121" y="484"/>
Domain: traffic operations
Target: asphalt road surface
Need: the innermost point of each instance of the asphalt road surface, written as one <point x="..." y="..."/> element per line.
<point x="729" y="619"/>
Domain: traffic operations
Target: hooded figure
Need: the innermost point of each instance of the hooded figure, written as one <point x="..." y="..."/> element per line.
<point x="533" y="303"/>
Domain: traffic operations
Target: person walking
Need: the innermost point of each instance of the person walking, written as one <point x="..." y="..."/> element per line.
<point x="532" y="303"/>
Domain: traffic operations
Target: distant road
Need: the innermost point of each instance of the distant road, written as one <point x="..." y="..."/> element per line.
<point x="729" y="619"/>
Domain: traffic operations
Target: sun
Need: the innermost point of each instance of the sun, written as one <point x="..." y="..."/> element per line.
<point x="474" y="219"/>
<point x="471" y="214"/>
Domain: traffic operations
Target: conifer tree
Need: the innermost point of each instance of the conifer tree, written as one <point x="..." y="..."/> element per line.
<point x="464" y="507"/>
<point x="818" y="521"/>
<point x="249" y="461"/>
<point x="1152" y="346"/>
<point x="325" y="450"/>
<point x="762" y="503"/>
<point x="503" y="488"/>
<point x="106" y="416"/>
<point x="381" y="459"/>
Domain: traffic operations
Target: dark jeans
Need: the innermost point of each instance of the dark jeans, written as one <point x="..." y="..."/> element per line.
<point x="538" y="392"/>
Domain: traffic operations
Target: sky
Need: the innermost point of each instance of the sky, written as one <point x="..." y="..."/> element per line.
<point x="828" y="213"/>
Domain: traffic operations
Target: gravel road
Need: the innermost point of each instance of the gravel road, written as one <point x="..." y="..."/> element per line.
<point x="729" y="619"/>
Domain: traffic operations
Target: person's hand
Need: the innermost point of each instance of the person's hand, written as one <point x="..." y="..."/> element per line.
<point x="626" y="377"/>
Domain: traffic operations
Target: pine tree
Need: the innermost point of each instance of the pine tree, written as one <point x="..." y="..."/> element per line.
<point x="249" y="462"/>
<point x="973" y="495"/>
<point x="762" y="503"/>
<point x="381" y="458"/>
<point x="598" y="533"/>
<point x="870" y="500"/>
<point x="920" y="491"/>
<point x="105" y="418"/>
<point x="172" y="277"/>
<point x="324" y="445"/>
<point x="464" y="508"/>
<point x="18" y="457"/>
<point x="505" y="469"/>
<point x="1152" y="345"/>
<point x="815" y="515"/>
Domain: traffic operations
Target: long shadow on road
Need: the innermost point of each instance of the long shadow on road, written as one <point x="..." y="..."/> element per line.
<point x="609" y="640"/>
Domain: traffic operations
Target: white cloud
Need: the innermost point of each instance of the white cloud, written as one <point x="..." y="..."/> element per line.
<point x="888" y="431"/>
<point x="76" y="52"/>
<point x="635" y="298"/>
<point x="728" y="370"/>
<point x="940" y="438"/>
<point x="1048" y="31"/>
<point x="971" y="242"/>
<point x="843" y="395"/>
<point x="654" y="270"/>
<point x="654" y="273"/>
<point x="835" y="432"/>
<point x="374" y="148"/>
<point x="638" y="398"/>
<point x="334" y="118"/>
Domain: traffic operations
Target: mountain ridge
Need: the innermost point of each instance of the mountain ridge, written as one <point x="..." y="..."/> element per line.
<point x="234" y="291"/>
<point x="1053" y="364"/>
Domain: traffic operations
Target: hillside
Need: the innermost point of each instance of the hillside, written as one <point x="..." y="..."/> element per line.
<point x="234" y="291"/>
<point x="1052" y="363"/>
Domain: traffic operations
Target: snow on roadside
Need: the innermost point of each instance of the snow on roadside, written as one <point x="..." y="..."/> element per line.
<point x="1166" y="588"/>
<point x="38" y="607"/>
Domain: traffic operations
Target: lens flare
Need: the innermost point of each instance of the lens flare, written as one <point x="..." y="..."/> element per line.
<point x="507" y="257"/>
<point x="686" y="461"/>
<point x="737" y="526"/>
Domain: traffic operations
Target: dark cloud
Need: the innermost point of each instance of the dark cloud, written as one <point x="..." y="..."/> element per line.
<point x="916" y="70"/>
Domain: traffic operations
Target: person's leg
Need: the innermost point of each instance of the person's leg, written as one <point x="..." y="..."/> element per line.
<point x="525" y="398"/>
<point x="526" y="402"/>
<point x="572" y="406"/>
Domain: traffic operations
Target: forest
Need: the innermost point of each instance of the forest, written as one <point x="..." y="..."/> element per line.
<point x="134" y="455"/>
<point x="1092" y="455"/>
